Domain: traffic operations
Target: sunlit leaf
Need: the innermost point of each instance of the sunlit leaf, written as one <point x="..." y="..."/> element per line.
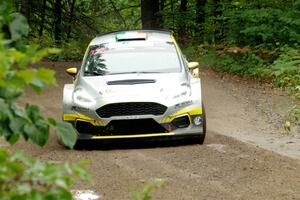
<point x="28" y="75"/>
<point x="37" y="85"/>
<point x="16" y="125"/>
<point x="38" y="137"/>
<point x="46" y="75"/>
<point x="66" y="133"/>
<point x="13" y="138"/>
<point x="52" y="121"/>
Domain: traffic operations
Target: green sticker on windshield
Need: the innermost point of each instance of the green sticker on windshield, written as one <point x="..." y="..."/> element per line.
<point x="119" y="35"/>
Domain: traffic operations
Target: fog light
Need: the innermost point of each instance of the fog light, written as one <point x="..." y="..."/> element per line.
<point x="181" y="122"/>
<point x="198" y="120"/>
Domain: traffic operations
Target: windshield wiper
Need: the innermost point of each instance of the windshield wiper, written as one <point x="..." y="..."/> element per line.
<point x="135" y="72"/>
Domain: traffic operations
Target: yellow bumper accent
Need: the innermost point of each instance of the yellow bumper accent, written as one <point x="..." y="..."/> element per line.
<point x="133" y="136"/>
<point x="80" y="117"/>
<point x="189" y="111"/>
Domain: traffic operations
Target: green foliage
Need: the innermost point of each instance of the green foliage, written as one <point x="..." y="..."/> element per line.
<point x="18" y="27"/>
<point x="205" y="55"/>
<point x="147" y="190"/>
<point x="266" y="23"/>
<point x="22" y="177"/>
<point x="247" y="64"/>
<point x="15" y="56"/>
<point x="229" y="59"/>
<point x="14" y="77"/>
<point x="72" y="50"/>
<point x="281" y="66"/>
<point x="65" y="133"/>
<point x="294" y="115"/>
<point x="286" y="70"/>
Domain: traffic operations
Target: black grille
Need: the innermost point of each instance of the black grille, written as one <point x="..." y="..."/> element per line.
<point x="133" y="127"/>
<point x="88" y="128"/>
<point x="134" y="108"/>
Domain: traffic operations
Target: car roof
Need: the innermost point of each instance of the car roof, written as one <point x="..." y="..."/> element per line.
<point x="152" y="35"/>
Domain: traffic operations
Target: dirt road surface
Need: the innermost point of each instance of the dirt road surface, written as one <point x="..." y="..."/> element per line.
<point x="247" y="154"/>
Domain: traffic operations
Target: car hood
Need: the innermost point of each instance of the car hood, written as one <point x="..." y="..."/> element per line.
<point x="133" y="85"/>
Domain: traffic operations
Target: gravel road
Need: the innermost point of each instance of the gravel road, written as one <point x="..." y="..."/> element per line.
<point x="247" y="154"/>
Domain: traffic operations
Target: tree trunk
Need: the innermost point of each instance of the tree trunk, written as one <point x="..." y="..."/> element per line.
<point x="42" y="22"/>
<point x="25" y="9"/>
<point x="161" y="5"/>
<point x="217" y="12"/>
<point x="149" y="9"/>
<point x="183" y="5"/>
<point x="173" y="17"/>
<point x="182" y="27"/>
<point x="57" y="21"/>
<point x="160" y="14"/>
<point x="200" y="9"/>
<point x="71" y="16"/>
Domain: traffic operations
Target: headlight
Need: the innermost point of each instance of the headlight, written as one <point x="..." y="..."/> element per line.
<point x="81" y="97"/>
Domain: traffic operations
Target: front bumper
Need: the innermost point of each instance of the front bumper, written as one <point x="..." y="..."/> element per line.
<point x="171" y="127"/>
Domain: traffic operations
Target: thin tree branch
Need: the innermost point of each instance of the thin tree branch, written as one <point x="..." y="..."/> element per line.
<point x="117" y="11"/>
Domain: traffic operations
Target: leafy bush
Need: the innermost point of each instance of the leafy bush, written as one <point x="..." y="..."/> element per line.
<point x="71" y="51"/>
<point x="269" y="24"/>
<point x="228" y="59"/>
<point x="286" y="70"/>
<point x="14" y="77"/>
<point x="22" y="177"/>
<point x="147" y="190"/>
<point x="205" y="55"/>
<point x="15" y="56"/>
<point x="281" y="66"/>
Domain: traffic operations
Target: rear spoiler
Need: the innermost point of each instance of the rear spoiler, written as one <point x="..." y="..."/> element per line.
<point x="143" y="30"/>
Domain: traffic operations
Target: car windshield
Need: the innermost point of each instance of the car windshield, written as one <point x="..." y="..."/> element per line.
<point x="131" y="57"/>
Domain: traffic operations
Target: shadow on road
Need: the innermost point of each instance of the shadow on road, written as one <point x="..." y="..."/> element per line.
<point x="131" y="144"/>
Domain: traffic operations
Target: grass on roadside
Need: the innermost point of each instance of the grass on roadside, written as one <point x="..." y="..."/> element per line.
<point x="280" y="66"/>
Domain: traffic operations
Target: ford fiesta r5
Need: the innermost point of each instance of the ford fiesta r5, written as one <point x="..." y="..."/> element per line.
<point x="135" y="84"/>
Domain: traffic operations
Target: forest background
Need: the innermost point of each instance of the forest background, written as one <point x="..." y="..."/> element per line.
<point x="259" y="38"/>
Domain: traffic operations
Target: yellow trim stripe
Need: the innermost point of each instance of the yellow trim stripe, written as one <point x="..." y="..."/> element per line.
<point x="133" y="136"/>
<point x="174" y="41"/>
<point x="80" y="117"/>
<point x="189" y="111"/>
<point x="176" y="45"/>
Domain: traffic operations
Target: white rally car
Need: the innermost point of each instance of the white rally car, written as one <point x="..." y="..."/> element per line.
<point x="135" y="84"/>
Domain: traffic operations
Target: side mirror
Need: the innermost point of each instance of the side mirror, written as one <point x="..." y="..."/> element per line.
<point x="193" y="65"/>
<point x="72" y="71"/>
<point x="196" y="73"/>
